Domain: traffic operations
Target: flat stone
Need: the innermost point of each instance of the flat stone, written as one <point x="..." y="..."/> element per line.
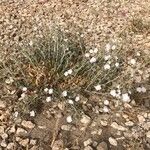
<point x="129" y="123"/>
<point x="28" y="124"/>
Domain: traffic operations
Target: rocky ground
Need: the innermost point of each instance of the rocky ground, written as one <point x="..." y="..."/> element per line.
<point x="100" y="123"/>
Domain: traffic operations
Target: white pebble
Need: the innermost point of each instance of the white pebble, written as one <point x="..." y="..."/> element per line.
<point x="125" y="97"/>
<point x="107" y="57"/>
<point x="105" y="109"/>
<point x="143" y="89"/>
<point x="95" y="50"/>
<point x="32" y="113"/>
<point x="107" y="47"/>
<point x="48" y="99"/>
<point x="70" y="71"/>
<point x="117" y="64"/>
<point x="113" y="47"/>
<point x="46" y="90"/>
<point x="98" y="87"/>
<point x="77" y="98"/>
<point x="24" y="89"/>
<point x="133" y="61"/>
<point x="93" y="60"/>
<point x="106" y="102"/>
<point x="69" y="119"/>
<point x="50" y="91"/>
<point x="16" y="114"/>
<point x="112" y="141"/>
<point x="91" y="51"/>
<point x="64" y="93"/>
<point x="66" y="73"/>
<point x="113" y="93"/>
<point x="87" y="55"/>
<point x="106" y="66"/>
<point x="70" y="102"/>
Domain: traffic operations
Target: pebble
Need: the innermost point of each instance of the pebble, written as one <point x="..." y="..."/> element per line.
<point x="66" y="127"/>
<point x="21" y="132"/>
<point x="12" y="129"/>
<point x="87" y="142"/>
<point x="118" y="127"/>
<point x="112" y="141"/>
<point x="104" y="123"/>
<point x="148" y="134"/>
<point x="69" y="119"/>
<point x="3" y="143"/>
<point x="33" y="142"/>
<point x="85" y="119"/>
<point x="24" y="142"/>
<point x="102" y="146"/>
<point x="4" y="136"/>
<point x="28" y="124"/>
<point x="129" y="123"/>
<point x="10" y="146"/>
<point x="2" y="104"/>
<point x="141" y="119"/>
<point x="1" y="129"/>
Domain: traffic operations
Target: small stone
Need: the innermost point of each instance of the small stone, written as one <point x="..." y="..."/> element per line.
<point x="1" y="130"/>
<point x="102" y="146"/>
<point x="141" y="119"/>
<point x="21" y="132"/>
<point x="3" y="143"/>
<point x="32" y="113"/>
<point x="118" y="127"/>
<point x="28" y="124"/>
<point x="112" y="141"/>
<point x="104" y="123"/>
<point x="12" y="129"/>
<point x="66" y="127"/>
<point x="4" y="136"/>
<point x="88" y="148"/>
<point x="87" y="142"/>
<point x="69" y="119"/>
<point x="99" y="132"/>
<point x="24" y="142"/>
<point x="33" y="142"/>
<point x="58" y="145"/>
<point x="85" y="119"/>
<point x="2" y="104"/>
<point x="10" y="146"/>
<point x="129" y="123"/>
<point x="148" y="134"/>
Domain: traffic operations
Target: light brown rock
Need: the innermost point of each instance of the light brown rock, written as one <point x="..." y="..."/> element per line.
<point x="28" y="124"/>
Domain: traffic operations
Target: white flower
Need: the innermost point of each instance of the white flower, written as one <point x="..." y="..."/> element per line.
<point x="91" y="51"/>
<point x="64" y="93"/>
<point x="48" y="99"/>
<point x="98" y="87"/>
<point x="106" y="102"/>
<point x="77" y="98"/>
<point x="106" y="66"/>
<point x="133" y="61"/>
<point x="113" y="93"/>
<point x="32" y="113"/>
<point x="69" y="119"/>
<point x="24" y="89"/>
<point x="95" y="50"/>
<point x="46" y="90"/>
<point x="50" y="91"/>
<point x="113" y="47"/>
<point x="93" y="60"/>
<point x="107" y="47"/>
<point x="66" y="73"/>
<point x="87" y="55"/>
<point x="105" y="109"/>
<point x="107" y="57"/>
<point x="125" y="97"/>
<point x="143" y="89"/>
<point x="69" y="71"/>
<point x="70" y="102"/>
<point x="117" y="64"/>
